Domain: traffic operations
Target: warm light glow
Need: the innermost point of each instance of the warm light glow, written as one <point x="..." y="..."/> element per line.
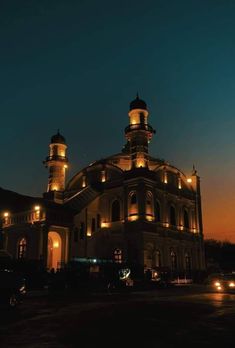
<point x="65" y="166"/>
<point x="165" y="178"/>
<point x="219" y="288"/>
<point x="83" y="181"/>
<point x="56" y="245"/>
<point x="179" y="184"/>
<point x="231" y="285"/>
<point x="149" y="217"/>
<point x="133" y="218"/>
<point x="6" y="214"/>
<point x="140" y="163"/>
<point x="217" y="283"/>
<point x="180" y="227"/>
<point x="189" y="180"/>
<point x="62" y="153"/>
<point x="37" y="207"/>
<point x="88" y="233"/>
<point x="54" y="188"/>
<point x="105" y="224"/>
<point x="166" y="224"/>
<point x="103" y="176"/>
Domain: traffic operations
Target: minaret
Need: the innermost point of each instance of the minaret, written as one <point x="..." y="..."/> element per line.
<point x="57" y="163"/>
<point x="139" y="133"/>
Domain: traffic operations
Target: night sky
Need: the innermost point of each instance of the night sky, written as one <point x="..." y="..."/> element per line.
<point x="76" y="65"/>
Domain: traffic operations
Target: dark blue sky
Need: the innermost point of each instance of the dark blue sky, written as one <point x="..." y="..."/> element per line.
<point x="76" y="65"/>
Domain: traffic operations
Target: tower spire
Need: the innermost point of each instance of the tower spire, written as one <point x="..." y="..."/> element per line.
<point x="139" y="132"/>
<point x="57" y="163"/>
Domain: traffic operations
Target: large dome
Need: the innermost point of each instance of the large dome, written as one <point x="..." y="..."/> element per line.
<point x="138" y="103"/>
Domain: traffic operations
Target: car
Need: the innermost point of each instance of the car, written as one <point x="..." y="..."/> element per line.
<point x="12" y="288"/>
<point x="224" y="282"/>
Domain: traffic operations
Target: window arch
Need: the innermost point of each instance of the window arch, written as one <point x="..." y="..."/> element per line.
<point x="172" y="216"/>
<point x="118" y="255"/>
<point x="115" y="215"/>
<point x="22" y="247"/>
<point x="186" y="219"/>
<point x="173" y="261"/>
<point x="158" y="211"/>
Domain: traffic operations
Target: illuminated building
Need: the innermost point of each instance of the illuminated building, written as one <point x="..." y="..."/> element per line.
<point x="129" y="207"/>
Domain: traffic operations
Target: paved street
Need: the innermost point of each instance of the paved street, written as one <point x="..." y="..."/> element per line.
<point x="187" y="316"/>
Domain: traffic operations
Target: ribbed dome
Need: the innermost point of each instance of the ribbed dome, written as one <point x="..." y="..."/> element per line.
<point x="138" y="103"/>
<point x="58" y="138"/>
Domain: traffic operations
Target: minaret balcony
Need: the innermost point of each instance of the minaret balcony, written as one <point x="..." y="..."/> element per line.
<point x="139" y="126"/>
<point x="57" y="158"/>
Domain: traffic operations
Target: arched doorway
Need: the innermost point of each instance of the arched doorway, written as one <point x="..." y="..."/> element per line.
<point x="54" y="250"/>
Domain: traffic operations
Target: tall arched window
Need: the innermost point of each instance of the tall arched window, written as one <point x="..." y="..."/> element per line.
<point x="158" y="211"/>
<point x="133" y="199"/>
<point x="173" y="261"/>
<point x="149" y="204"/>
<point x="115" y="211"/>
<point x="172" y="216"/>
<point x="158" y="258"/>
<point x="22" y="248"/>
<point x="186" y="219"/>
<point x="187" y="262"/>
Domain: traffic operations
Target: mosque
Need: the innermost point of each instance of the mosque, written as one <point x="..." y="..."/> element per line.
<point x="129" y="207"/>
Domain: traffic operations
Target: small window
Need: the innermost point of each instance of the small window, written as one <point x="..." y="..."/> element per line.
<point x="118" y="256"/>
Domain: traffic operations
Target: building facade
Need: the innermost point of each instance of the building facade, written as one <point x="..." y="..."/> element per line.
<point x="129" y="207"/>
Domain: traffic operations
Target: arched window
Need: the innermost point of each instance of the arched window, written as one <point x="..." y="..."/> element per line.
<point x="158" y="211"/>
<point x="172" y="216"/>
<point x="158" y="258"/>
<point x="149" y="204"/>
<point x="186" y="219"/>
<point x="98" y="221"/>
<point x="187" y="262"/>
<point x="173" y="261"/>
<point x="118" y="256"/>
<point x="115" y="211"/>
<point x="22" y="248"/>
<point x="133" y="199"/>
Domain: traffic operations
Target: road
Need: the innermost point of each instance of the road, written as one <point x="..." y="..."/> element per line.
<point x="165" y="318"/>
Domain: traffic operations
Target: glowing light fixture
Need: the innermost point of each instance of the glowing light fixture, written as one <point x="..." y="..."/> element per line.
<point x="37" y="207"/>
<point x="56" y="245"/>
<point x="6" y="214"/>
<point x="189" y="180"/>
<point x="133" y="218"/>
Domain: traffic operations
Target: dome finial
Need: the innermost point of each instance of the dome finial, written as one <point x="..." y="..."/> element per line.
<point x="138" y="103"/>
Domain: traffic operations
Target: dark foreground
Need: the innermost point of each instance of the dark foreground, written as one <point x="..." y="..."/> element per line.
<point x="187" y="316"/>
